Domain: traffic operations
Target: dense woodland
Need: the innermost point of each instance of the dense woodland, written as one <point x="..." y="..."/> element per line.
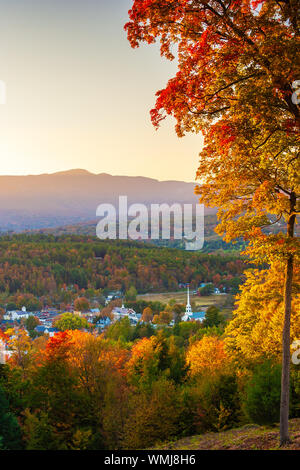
<point x="55" y="269"/>
<point x="134" y="387"/>
<point x="237" y="82"/>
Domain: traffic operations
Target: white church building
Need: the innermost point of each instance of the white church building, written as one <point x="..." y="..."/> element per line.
<point x="189" y="314"/>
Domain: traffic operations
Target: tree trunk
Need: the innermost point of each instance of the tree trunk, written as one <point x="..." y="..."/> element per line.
<point x="285" y="376"/>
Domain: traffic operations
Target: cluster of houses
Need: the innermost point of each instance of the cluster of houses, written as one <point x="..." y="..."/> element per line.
<point x="118" y="313"/>
<point x="122" y="312"/>
<point x="47" y="316"/>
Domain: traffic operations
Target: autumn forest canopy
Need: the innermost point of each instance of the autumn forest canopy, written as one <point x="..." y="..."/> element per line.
<point x="52" y="267"/>
<point x="236" y="82"/>
<point x="135" y="385"/>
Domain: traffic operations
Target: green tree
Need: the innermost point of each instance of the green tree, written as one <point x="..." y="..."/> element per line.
<point x="39" y="433"/>
<point x="263" y="394"/>
<point x="178" y="310"/>
<point x="121" y="330"/>
<point x="131" y="294"/>
<point x="212" y="317"/>
<point x="10" y="432"/>
<point x="207" y="290"/>
<point x="153" y="417"/>
<point x="31" y="323"/>
<point x="217" y="402"/>
<point x="11" y="306"/>
<point x="70" y="321"/>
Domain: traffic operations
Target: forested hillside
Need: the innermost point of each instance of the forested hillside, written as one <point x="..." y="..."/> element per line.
<point x="45" y="265"/>
<point x="135" y="387"/>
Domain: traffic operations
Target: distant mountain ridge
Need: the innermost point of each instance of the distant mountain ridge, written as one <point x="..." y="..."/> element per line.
<point x="68" y="197"/>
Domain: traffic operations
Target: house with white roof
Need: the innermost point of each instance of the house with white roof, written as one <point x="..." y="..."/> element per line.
<point x="123" y="312"/>
<point x="16" y="315"/>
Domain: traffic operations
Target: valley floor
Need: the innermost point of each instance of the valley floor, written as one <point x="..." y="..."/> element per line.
<point x="180" y="297"/>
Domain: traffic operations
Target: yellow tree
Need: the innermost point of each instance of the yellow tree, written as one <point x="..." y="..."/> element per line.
<point x="207" y="356"/>
<point x="255" y="330"/>
<point x="21" y="345"/>
<point x="238" y="66"/>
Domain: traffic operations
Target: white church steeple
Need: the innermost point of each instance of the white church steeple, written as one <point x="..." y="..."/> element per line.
<point x="188" y="308"/>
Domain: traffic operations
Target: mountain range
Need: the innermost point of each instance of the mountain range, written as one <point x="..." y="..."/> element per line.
<point x="70" y="197"/>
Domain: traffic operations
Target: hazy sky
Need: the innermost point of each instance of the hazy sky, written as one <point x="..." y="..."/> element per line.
<point x="79" y="97"/>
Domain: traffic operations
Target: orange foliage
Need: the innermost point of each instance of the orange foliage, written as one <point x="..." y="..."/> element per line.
<point x="78" y="348"/>
<point x="207" y="356"/>
<point x="144" y="351"/>
<point x="59" y="345"/>
<point x="4" y="337"/>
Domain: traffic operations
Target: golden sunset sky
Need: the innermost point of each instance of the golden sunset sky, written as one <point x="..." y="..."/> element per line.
<point x="79" y="97"/>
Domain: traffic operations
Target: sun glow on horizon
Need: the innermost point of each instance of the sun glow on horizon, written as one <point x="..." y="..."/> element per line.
<point x="79" y="97"/>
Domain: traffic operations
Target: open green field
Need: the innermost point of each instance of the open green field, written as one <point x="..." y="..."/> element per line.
<point x="180" y="297"/>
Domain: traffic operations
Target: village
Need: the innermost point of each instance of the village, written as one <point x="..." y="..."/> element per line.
<point x="46" y="318"/>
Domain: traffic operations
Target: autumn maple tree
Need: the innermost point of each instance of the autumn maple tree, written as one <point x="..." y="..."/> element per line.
<point x="238" y="70"/>
<point x="81" y="304"/>
<point x="207" y="355"/>
<point x="147" y="314"/>
<point x="256" y="327"/>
